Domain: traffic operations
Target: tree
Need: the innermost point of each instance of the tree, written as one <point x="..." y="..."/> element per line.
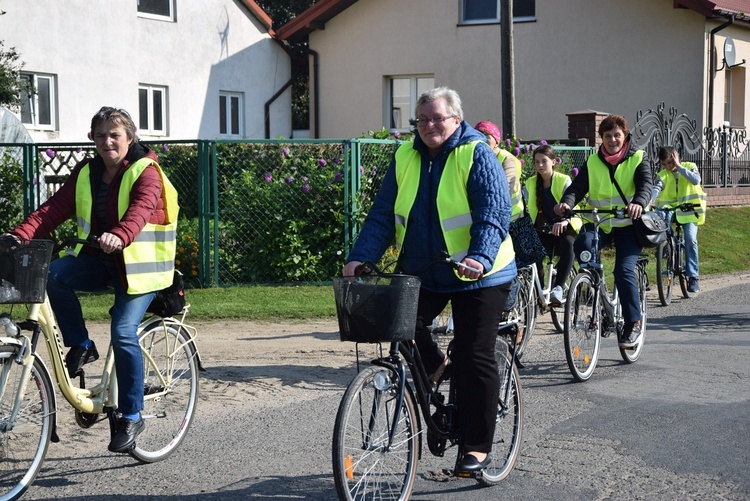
<point x="10" y="77"/>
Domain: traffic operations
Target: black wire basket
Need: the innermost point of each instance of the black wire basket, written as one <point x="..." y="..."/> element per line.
<point x="23" y="272"/>
<point x="377" y="308"/>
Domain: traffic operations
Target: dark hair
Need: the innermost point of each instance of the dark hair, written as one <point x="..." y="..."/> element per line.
<point x="116" y="116"/>
<point x="611" y="122"/>
<point x="549" y="152"/>
<point x="665" y="152"/>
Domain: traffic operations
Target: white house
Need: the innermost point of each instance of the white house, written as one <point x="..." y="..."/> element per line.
<point x="370" y="59"/>
<point x="195" y="69"/>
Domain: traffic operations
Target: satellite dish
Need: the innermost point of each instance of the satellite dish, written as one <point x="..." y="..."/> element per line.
<point x="729" y="52"/>
<point x="11" y="129"/>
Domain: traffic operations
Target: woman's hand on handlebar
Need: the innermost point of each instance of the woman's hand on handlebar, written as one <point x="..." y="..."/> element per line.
<point x="470" y="268"/>
<point x="110" y="243"/>
<point x="355" y="269"/>
<point x="561" y="209"/>
<point x="559" y="227"/>
<point x="634" y="211"/>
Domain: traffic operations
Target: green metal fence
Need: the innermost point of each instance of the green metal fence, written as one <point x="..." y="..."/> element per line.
<point x="251" y="212"/>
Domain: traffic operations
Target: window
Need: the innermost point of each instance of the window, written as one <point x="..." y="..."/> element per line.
<point x="38" y="104"/>
<point x="152" y="109"/>
<point x="734" y="96"/>
<point x="156" y="9"/>
<point x="230" y="114"/>
<point x="488" y="11"/>
<point x="403" y="92"/>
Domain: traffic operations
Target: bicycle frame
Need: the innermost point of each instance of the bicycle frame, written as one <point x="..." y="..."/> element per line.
<point x="103" y="395"/>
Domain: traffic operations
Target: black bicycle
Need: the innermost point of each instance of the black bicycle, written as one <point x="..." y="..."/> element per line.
<point x="377" y="436"/>
<point x="670" y="256"/>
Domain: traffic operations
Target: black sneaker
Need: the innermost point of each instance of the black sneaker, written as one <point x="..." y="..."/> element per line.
<point x="693" y="285"/>
<point x="78" y="356"/>
<point x="631" y="335"/>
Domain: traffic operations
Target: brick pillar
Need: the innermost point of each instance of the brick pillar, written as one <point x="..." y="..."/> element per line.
<point x="584" y="124"/>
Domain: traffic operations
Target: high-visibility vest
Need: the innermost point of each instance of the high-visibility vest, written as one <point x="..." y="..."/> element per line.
<point x="681" y="191"/>
<point x="452" y="202"/>
<point x="516" y="197"/>
<point x="149" y="259"/>
<point x="602" y="191"/>
<point x="559" y="184"/>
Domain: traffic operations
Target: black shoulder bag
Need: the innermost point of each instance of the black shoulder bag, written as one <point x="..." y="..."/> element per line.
<point x="650" y="228"/>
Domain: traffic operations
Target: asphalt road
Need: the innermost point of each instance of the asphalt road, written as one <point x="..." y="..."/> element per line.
<point x="674" y="425"/>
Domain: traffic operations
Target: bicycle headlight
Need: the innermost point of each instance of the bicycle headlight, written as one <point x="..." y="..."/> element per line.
<point x="585" y="256"/>
<point x="381" y="381"/>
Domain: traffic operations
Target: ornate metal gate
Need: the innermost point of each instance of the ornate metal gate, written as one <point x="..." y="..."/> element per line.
<point x="721" y="154"/>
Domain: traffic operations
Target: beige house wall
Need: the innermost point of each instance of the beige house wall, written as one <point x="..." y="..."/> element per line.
<point x="618" y="58"/>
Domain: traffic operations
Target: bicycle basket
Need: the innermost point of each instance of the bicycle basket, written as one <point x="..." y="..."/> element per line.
<point x="25" y="276"/>
<point x="375" y="309"/>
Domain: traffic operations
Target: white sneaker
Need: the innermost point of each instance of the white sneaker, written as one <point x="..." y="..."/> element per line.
<point x="555" y="296"/>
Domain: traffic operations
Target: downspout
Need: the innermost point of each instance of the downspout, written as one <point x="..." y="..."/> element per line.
<point x="712" y="69"/>
<point x="267" y="107"/>
<point x="316" y="100"/>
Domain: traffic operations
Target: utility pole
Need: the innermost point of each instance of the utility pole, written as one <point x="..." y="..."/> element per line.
<point x="506" y="56"/>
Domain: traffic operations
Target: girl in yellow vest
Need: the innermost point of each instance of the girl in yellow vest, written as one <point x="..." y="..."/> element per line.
<point x="511" y="165"/>
<point x="618" y="159"/>
<point x="545" y="191"/>
<point x="676" y="184"/>
<point x="122" y="196"/>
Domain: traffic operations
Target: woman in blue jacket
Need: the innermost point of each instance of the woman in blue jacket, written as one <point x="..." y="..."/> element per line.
<point x="446" y="191"/>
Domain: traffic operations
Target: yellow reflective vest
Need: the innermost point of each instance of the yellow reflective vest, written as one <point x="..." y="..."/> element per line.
<point x="516" y="198"/>
<point x="149" y="259"/>
<point x="602" y="191"/>
<point x="452" y="201"/>
<point x="681" y="191"/>
<point x="560" y="182"/>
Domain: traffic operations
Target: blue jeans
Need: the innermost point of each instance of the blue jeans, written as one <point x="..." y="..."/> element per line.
<point x="690" y="230"/>
<point x="89" y="273"/>
<point x="627" y="250"/>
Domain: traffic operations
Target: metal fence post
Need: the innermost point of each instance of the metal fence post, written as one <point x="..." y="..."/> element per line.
<point x="724" y="155"/>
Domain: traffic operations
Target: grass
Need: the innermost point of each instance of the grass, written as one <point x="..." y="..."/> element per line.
<point x="724" y="243"/>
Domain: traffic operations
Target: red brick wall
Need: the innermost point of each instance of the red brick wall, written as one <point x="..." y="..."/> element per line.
<point x="728" y="196"/>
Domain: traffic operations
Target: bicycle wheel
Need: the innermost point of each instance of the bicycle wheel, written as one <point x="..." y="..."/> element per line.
<point x="557" y="315"/>
<point x="582" y="333"/>
<point x="366" y="463"/>
<point x="506" y="443"/>
<point x="664" y="272"/>
<point x="631" y="355"/>
<point x="23" y="442"/>
<point x="526" y="307"/>
<point x="170" y="367"/>
<point x="681" y="260"/>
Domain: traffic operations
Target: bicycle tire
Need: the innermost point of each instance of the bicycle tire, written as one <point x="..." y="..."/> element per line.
<point x="526" y="307"/>
<point x="24" y="446"/>
<point x="631" y="355"/>
<point x="169" y="355"/>
<point x="558" y="316"/>
<point x="582" y="332"/>
<point x="364" y="466"/>
<point x="682" y="260"/>
<point x="665" y="271"/>
<point x="506" y="442"/>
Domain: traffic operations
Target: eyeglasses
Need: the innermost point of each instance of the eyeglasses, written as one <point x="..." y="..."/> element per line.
<point x="423" y="122"/>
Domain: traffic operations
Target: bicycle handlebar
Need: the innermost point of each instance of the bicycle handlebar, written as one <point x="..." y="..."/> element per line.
<point x="367" y="267"/>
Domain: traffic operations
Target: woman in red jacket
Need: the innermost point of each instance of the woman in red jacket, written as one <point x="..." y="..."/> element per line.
<point x="91" y="195"/>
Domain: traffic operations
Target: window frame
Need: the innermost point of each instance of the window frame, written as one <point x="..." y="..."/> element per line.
<point x="150" y="128"/>
<point x="170" y="17"/>
<point x="516" y="18"/>
<point x="414" y="92"/>
<point x="225" y="112"/>
<point x="32" y="101"/>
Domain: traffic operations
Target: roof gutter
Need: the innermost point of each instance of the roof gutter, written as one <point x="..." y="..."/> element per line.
<point x="316" y="95"/>
<point x="267" y="107"/>
<point x="712" y="68"/>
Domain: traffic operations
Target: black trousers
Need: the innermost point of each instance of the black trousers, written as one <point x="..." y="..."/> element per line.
<point x="476" y="315"/>
<point x="563" y="247"/>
